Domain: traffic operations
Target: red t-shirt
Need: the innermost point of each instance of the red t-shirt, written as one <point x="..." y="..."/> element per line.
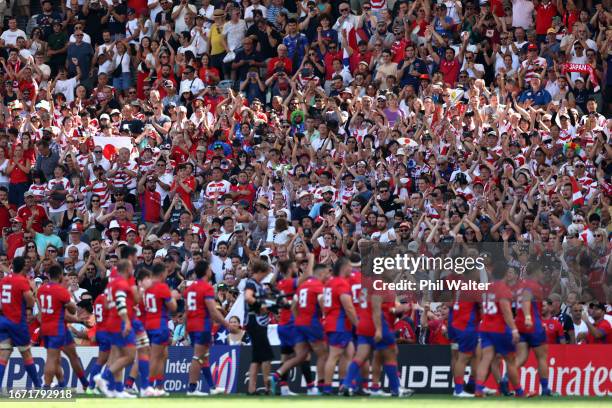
<point x="308" y="310"/>
<point x="287" y="287"/>
<point x="13" y="241"/>
<point x="604" y="327"/>
<point x="52" y="300"/>
<point x="150" y="202"/>
<point x="24" y="212"/>
<point x="554" y="330"/>
<point x="185" y="196"/>
<point x="12" y="289"/>
<point x="450" y="70"/>
<point x="544" y="16"/>
<point x="336" y="319"/>
<point x="101" y="312"/>
<point x="247" y="197"/>
<point x="438" y="332"/>
<point x="196" y="312"/>
<point x="492" y="318"/>
<point x="17" y="175"/>
<point x="118" y="285"/>
<point x="155" y="300"/>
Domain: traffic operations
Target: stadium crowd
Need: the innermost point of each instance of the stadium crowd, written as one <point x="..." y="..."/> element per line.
<point x="273" y="130"/>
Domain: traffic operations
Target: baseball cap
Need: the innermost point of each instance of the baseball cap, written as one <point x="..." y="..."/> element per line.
<point x="104" y="116"/>
<point x="532" y="47"/>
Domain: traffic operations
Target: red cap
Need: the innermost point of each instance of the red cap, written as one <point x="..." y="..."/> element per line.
<point x="532" y="47"/>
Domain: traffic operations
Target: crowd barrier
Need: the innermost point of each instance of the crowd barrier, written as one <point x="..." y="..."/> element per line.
<point x="574" y="370"/>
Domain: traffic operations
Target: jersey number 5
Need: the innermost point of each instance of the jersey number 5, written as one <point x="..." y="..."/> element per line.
<point x="6" y="294"/>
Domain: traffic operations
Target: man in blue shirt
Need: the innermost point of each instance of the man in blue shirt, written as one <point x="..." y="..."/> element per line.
<point x="296" y="43"/>
<point x="538" y="95"/>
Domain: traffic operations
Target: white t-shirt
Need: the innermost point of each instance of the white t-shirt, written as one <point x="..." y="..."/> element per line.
<point x="580" y="328"/>
<point x="199" y="41"/>
<point x="82" y="247"/>
<point x="86" y="38"/>
<point x="522" y="14"/>
<point x="179" y="21"/>
<point x="194" y="85"/>
<point x="248" y="13"/>
<point x="154" y="11"/>
<point x="235" y="33"/>
<point x="124" y="60"/>
<point x="10" y="37"/>
<point x="386" y="236"/>
<point x="66" y="87"/>
<point x="220" y="267"/>
<point x="208" y="13"/>
<point x="131" y="26"/>
<point x="107" y="66"/>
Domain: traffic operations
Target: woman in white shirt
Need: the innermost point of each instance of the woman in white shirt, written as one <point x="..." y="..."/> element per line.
<point x="121" y="72"/>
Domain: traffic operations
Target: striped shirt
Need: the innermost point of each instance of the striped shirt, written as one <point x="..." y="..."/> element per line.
<point x="100" y="188"/>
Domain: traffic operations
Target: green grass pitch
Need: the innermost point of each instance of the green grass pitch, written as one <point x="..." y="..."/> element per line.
<point x="231" y="401"/>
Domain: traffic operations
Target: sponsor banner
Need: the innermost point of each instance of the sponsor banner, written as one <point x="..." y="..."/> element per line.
<point x="223" y="365"/>
<point x="425" y="369"/>
<point x="16" y="377"/>
<point x="584" y="370"/>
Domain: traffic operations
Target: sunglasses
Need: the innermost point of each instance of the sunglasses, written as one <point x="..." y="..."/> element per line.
<point x="51" y="251"/>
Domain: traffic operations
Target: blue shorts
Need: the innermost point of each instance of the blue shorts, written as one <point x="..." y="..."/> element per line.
<point x="117" y="339"/>
<point x="18" y="333"/>
<point x="286" y="335"/>
<point x="58" y="342"/>
<point x="159" y="336"/>
<point x="200" y="337"/>
<point x="339" y="339"/>
<point x="535" y="339"/>
<point x="388" y="340"/>
<point x="466" y="339"/>
<point x="137" y="327"/>
<point x="103" y="340"/>
<point x="308" y="334"/>
<point x="501" y="342"/>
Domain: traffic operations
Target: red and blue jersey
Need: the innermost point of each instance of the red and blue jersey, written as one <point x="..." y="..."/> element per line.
<point x="537" y="294"/>
<point x="355" y="282"/>
<point x="101" y="312"/>
<point x="465" y="316"/>
<point x="604" y="328"/>
<point x="12" y="290"/>
<point x="196" y="312"/>
<point x="366" y="322"/>
<point x="308" y="309"/>
<point x="492" y="316"/>
<point x="287" y="287"/>
<point x="336" y="319"/>
<point x="155" y="299"/>
<point x="52" y="301"/>
<point x="554" y="330"/>
<point x="118" y="286"/>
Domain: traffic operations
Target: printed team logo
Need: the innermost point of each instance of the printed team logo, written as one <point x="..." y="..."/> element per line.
<point x="224" y="371"/>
